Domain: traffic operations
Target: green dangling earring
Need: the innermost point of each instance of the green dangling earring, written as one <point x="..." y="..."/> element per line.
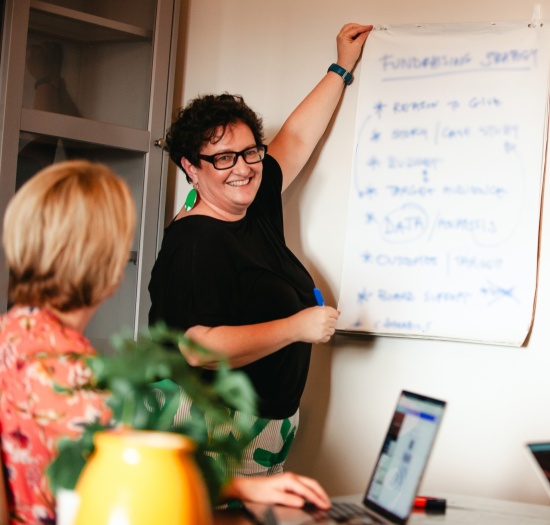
<point x="191" y="199"/>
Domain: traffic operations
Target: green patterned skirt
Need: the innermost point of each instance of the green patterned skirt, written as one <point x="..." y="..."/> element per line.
<point x="271" y="438"/>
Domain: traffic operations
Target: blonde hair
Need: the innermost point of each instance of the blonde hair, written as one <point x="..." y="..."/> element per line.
<point x="67" y="235"/>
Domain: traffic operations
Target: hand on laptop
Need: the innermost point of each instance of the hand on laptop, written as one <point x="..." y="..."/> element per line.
<point x="287" y="489"/>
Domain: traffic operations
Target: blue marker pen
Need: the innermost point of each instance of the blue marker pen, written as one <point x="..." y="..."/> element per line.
<point x="318" y="297"/>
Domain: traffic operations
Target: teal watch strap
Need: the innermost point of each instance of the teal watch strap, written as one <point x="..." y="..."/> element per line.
<point x="347" y="77"/>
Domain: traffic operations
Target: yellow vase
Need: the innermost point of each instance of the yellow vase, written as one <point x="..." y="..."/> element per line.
<point x="142" y="478"/>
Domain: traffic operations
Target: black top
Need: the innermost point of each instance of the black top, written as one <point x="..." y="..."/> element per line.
<point x="216" y="273"/>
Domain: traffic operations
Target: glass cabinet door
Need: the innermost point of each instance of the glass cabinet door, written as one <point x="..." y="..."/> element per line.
<point x="85" y="65"/>
<point x="91" y="79"/>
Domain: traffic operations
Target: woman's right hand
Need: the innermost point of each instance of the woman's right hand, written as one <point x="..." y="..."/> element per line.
<point x="316" y="324"/>
<point x="350" y="42"/>
<point x="286" y="488"/>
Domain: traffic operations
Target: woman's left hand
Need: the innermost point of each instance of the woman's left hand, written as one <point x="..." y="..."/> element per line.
<point x="315" y="324"/>
<point x="349" y="44"/>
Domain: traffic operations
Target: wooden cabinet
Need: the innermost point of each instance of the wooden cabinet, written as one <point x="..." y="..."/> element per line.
<point x="92" y="79"/>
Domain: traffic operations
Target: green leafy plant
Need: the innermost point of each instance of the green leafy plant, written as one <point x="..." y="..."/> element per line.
<point x="145" y="379"/>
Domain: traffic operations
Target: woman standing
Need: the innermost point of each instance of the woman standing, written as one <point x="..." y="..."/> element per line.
<point x="224" y="274"/>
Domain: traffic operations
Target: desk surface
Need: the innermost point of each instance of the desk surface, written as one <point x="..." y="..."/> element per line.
<point x="460" y="510"/>
<point x="471" y="509"/>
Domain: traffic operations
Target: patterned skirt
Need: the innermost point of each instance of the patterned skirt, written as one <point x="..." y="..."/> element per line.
<point x="271" y="438"/>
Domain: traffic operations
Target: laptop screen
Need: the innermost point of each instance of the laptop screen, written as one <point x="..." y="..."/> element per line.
<point x="540" y="452"/>
<point x="404" y="455"/>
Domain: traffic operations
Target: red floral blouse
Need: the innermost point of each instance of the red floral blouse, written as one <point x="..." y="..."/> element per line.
<point x="37" y="353"/>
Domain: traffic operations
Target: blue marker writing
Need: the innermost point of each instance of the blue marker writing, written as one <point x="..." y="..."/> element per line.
<point x="318" y="297"/>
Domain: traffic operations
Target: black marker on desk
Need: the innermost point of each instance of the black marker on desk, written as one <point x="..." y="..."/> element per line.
<point x="318" y="297"/>
<point x="429" y="504"/>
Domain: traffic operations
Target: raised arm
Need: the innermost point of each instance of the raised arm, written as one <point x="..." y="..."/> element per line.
<point x="242" y="345"/>
<point x="296" y="140"/>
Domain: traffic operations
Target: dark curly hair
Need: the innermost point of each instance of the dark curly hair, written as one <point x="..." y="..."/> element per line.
<point x="197" y="123"/>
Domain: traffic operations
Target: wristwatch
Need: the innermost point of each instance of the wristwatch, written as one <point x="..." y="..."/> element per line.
<point x="347" y="77"/>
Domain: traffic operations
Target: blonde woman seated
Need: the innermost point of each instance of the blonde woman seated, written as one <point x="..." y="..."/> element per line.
<point x="66" y="236"/>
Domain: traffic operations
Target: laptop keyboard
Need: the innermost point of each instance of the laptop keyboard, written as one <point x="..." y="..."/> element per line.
<point x="340" y="512"/>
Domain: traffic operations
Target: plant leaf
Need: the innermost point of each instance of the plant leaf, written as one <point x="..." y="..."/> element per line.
<point x="135" y="374"/>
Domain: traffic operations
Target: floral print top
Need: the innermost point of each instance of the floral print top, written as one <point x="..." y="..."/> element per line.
<point x="38" y="353"/>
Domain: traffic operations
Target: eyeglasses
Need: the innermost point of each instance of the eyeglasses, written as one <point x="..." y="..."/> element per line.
<point x="228" y="159"/>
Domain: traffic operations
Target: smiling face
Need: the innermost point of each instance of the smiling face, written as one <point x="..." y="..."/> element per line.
<point x="227" y="193"/>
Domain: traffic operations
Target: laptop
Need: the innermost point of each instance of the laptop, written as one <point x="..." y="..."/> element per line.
<point x="539" y="457"/>
<point x="393" y="485"/>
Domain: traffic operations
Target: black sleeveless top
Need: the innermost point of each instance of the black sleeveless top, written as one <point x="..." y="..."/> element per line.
<point x="216" y="273"/>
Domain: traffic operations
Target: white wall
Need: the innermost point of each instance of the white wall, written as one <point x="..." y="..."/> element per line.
<point x="273" y="53"/>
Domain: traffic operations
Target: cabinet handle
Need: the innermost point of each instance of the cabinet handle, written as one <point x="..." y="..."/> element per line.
<point x="159" y="143"/>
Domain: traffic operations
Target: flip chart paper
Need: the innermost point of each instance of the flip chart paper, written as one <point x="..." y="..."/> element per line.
<point x="445" y="197"/>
